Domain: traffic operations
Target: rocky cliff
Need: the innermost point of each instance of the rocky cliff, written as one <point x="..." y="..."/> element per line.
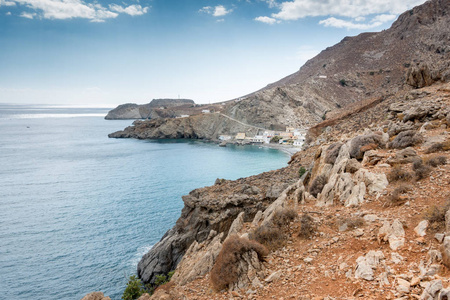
<point x="157" y="108"/>
<point x="413" y="53"/>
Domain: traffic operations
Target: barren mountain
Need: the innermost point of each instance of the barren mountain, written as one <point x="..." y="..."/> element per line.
<point x="413" y="53"/>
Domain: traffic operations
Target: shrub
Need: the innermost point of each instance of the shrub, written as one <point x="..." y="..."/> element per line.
<point x="271" y="237"/>
<point x="352" y="223"/>
<point x="301" y="171"/>
<point x="406" y="139"/>
<point x="226" y="268"/>
<point x="398" y="174"/>
<point x="422" y="172"/>
<point x="332" y="153"/>
<point x="307" y="226"/>
<point x="317" y="185"/>
<point x="342" y="82"/>
<point x="134" y="289"/>
<point x="396" y="198"/>
<point x="362" y="140"/>
<point x="436" y="215"/>
<point x="436" y="161"/>
<point x="284" y="216"/>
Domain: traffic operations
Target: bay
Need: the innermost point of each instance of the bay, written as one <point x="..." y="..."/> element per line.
<point x="78" y="210"/>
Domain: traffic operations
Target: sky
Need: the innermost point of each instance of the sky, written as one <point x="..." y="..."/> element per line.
<point x="100" y="52"/>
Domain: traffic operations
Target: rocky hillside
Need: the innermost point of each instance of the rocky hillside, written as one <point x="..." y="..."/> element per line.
<point x="157" y="108"/>
<point x="413" y="53"/>
<point x="368" y="218"/>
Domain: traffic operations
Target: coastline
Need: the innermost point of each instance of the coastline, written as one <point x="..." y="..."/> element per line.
<point x="288" y="149"/>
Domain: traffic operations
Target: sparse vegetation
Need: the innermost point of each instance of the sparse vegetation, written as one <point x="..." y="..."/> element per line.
<point x="225" y="270"/>
<point x="269" y="235"/>
<point x="352" y="223"/>
<point x="359" y="142"/>
<point x="332" y="153"/>
<point x="405" y="139"/>
<point x="436" y="161"/>
<point x="284" y="216"/>
<point x="421" y="171"/>
<point x="134" y="289"/>
<point x="301" y="171"/>
<point x="436" y="215"/>
<point x="317" y="185"/>
<point x="398" y="174"/>
<point x="396" y="197"/>
<point x="437" y="147"/>
<point x="307" y="226"/>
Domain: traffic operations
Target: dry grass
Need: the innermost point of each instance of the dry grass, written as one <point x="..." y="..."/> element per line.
<point x="307" y="226"/>
<point x="332" y="153"/>
<point x="437" y="147"/>
<point x="396" y="198"/>
<point x="352" y="223"/>
<point x="361" y="143"/>
<point x="436" y="161"/>
<point x="436" y="215"/>
<point x="421" y="171"/>
<point x="225" y="270"/>
<point x="406" y="139"/>
<point x="398" y="174"/>
<point x="270" y="236"/>
<point x="283" y="217"/>
<point x="317" y="185"/>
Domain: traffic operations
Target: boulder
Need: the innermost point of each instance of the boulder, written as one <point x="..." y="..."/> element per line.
<point x="353" y="165"/>
<point x="375" y="182"/>
<point x="421" y="228"/>
<point x="366" y="264"/>
<point x="95" y="296"/>
<point x="237" y="224"/>
<point x="394" y="234"/>
<point x="357" y="195"/>
<point x="404" y="156"/>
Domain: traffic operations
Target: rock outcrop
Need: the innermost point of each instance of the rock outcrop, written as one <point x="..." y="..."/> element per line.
<point x="209" y="212"/>
<point x="157" y="108"/>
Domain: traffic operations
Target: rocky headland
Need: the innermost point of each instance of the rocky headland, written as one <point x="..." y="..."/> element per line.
<point x="157" y="108"/>
<point x="361" y="212"/>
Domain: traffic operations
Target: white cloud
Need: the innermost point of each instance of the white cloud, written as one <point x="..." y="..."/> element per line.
<point x="220" y="10"/>
<point x="375" y="22"/>
<point x="297" y="9"/>
<point x="217" y="11"/>
<point x="360" y="19"/>
<point x="272" y="3"/>
<point x="27" y="15"/>
<point x="339" y="23"/>
<point x="132" y="10"/>
<point x="69" y="9"/>
<point x="7" y="3"/>
<point x="267" y="20"/>
<point x="384" y="18"/>
<point x="8" y="13"/>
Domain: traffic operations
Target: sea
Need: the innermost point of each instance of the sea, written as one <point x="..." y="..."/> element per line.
<point x="78" y="209"/>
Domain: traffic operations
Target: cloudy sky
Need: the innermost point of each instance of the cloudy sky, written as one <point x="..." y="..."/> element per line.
<point x="97" y="52"/>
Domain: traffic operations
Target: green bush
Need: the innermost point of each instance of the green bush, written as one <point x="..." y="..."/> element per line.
<point x="342" y="82"/>
<point x="134" y="289"/>
<point x="301" y="171"/>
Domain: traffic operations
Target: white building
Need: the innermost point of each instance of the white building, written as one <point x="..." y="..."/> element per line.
<point x="224" y="137"/>
<point x="206" y="111"/>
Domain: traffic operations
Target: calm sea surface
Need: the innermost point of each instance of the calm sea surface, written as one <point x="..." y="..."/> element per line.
<point x="78" y="210"/>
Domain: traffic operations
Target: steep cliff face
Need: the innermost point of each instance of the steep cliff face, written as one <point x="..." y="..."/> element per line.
<point x="157" y="108"/>
<point x="213" y="209"/>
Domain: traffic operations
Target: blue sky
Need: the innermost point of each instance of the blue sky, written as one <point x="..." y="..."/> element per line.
<point x="112" y="52"/>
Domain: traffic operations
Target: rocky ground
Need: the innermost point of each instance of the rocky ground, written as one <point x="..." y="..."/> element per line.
<point x="380" y="245"/>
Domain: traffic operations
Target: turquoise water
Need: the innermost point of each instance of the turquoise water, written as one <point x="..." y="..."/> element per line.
<point x="78" y="210"/>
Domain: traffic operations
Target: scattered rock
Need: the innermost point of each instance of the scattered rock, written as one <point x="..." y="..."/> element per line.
<point x="403" y="286"/>
<point x="394" y="233"/>
<point x="273" y="277"/>
<point x="421" y="229"/>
